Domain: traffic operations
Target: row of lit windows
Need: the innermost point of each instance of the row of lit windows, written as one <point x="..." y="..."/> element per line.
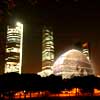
<point x="13" y="40"/>
<point x="47" y="47"/>
<point x="47" y="56"/>
<point x="85" y="51"/>
<point x="12" y="58"/>
<point x="13" y="31"/>
<point x="46" y="35"/>
<point x="47" y="31"/>
<point x="50" y="55"/>
<point x="50" y="38"/>
<point x="51" y="52"/>
<point x="11" y="67"/>
<point x="13" y="63"/>
<point x="48" y="43"/>
<point x="10" y="45"/>
<point x="8" y="36"/>
<point x="13" y="49"/>
<point x="13" y="34"/>
<point x="48" y="50"/>
<point x="14" y="37"/>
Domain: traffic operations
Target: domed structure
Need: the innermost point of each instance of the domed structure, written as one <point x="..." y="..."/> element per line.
<point x="72" y="63"/>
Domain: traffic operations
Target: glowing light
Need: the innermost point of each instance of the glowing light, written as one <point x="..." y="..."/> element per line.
<point x="96" y="92"/>
<point x="85" y="45"/>
<point x="24" y="91"/>
<point x="65" y="93"/>
<point x="18" y="24"/>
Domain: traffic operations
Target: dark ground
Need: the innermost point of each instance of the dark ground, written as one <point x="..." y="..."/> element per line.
<point x="66" y="98"/>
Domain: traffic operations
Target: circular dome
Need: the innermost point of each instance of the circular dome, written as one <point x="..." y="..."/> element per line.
<point x="72" y="63"/>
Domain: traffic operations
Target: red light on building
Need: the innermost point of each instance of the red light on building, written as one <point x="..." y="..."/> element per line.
<point x="85" y="45"/>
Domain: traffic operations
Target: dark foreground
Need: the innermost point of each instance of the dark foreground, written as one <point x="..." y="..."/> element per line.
<point x="62" y="98"/>
<point x="67" y="98"/>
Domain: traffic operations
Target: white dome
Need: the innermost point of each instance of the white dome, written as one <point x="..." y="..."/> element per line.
<point x="72" y="63"/>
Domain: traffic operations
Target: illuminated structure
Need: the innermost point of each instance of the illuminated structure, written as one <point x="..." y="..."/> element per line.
<point x="47" y="48"/>
<point x="85" y="48"/>
<point x="14" y="48"/>
<point x="72" y="63"/>
<point x="47" y="52"/>
<point x="6" y="8"/>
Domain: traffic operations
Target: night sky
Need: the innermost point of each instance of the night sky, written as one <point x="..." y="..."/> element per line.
<point x="71" y="21"/>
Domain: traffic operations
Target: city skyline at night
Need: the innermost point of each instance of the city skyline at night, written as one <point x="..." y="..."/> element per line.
<point x="71" y="21"/>
<point x="49" y="49"/>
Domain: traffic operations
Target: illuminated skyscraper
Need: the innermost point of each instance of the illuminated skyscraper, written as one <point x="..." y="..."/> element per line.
<point x="6" y="8"/>
<point x="14" y="48"/>
<point x="47" y="48"/>
<point x="85" y="48"/>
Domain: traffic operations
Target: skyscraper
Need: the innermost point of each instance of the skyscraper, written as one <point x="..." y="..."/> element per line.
<point x="47" y="48"/>
<point x="14" y="43"/>
<point x="47" y="52"/>
<point x="85" y="48"/>
<point x="6" y="7"/>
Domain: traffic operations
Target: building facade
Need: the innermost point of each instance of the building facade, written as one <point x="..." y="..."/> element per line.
<point x="47" y="48"/>
<point x="6" y="8"/>
<point x="14" y="44"/>
<point x="72" y="63"/>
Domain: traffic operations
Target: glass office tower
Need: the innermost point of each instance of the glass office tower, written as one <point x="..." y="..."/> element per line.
<point x="47" y="48"/>
<point x="14" y="44"/>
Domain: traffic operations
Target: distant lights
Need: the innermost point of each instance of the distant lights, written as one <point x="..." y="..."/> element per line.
<point x="24" y="91"/>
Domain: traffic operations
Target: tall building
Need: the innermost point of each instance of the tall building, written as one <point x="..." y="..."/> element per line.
<point x="85" y="48"/>
<point x="6" y="8"/>
<point x="47" y="48"/>
<point x="14" y="43"/>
